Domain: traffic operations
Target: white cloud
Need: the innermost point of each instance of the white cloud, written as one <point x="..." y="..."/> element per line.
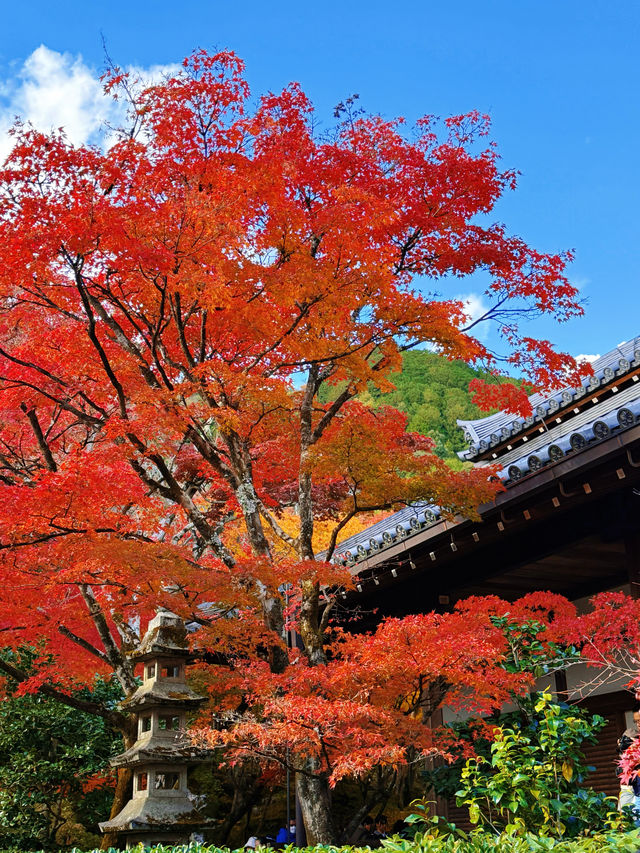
<point x="588" y="358"/>
<point x="52" y="90"/>
<point x="55" y="90"/>
<point x="581" y="282"/>
<point x="475" y="308"/>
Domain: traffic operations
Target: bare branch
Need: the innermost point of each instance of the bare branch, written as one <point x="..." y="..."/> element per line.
<point x="277" y="529"/>
<point x="42" y="442"/>
<point x="117" y="660"/>
<point x="80" y="641"/>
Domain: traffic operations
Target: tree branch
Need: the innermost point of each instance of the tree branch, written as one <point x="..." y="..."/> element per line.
<point x="119" y="663"/>
<point x="116" y="718"/>
<point x="42" y="442"/>
<point x="76" y="266"/>
<point x="85" y="644"/>
<point x="273" y="524"/>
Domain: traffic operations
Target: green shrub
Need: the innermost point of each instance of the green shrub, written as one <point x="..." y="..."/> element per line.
<point x="456" y="842"/>
<point x="532" y="781"/>
<point x="483" y="842"/>
<point x="48" y="752"/>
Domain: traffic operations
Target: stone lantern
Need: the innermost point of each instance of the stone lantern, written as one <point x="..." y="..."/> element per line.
<point x="161" y="810"/>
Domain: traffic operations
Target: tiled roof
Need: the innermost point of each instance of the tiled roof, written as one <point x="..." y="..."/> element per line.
<point x="615" y="413"/>
<point x="400" y="525"/>
<point x="485" y="433"/>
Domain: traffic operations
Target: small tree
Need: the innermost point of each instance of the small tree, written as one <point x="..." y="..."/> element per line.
<point x="52" y="768"/>
<point x="533" y="779"/>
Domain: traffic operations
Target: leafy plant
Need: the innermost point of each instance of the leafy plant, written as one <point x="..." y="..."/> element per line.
<point x="532" y="779"/>
<point x="479" y="842"/>
<point x="52" y="761"/>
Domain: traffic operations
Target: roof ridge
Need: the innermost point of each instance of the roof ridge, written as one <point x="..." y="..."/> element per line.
<point x="493" y="430"/>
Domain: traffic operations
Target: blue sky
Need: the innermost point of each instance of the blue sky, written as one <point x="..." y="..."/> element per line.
<point x="558" y="77"/>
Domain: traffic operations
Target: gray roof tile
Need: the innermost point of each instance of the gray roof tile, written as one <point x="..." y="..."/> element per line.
<point x="484" y="433"/>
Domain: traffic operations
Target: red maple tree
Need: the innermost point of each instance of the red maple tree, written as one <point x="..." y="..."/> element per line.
<point x="171" y="311"/>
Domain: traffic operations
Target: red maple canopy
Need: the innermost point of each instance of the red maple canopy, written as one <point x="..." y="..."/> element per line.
<point x="172" y="309"/>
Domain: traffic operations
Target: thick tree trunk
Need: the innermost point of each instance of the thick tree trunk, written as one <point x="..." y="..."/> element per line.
<point x="274" y="619"/>
<point x="314" y="797"/>
<point x="309" y="622"/>
<point x="312" y="787"/>
<point x="271" y="605"/>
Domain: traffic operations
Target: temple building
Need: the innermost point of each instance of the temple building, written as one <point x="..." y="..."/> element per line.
<point x="161" y="810"/>
<point x="568" y="522"/>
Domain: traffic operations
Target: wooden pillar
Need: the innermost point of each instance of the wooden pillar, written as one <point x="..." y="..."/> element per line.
<point x="632" y="558"/>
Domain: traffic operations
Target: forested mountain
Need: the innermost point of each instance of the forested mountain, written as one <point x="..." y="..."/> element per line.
<point x="434" y="392"/>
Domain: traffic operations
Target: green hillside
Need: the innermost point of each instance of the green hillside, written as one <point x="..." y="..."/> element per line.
<point x="434" y="393"/>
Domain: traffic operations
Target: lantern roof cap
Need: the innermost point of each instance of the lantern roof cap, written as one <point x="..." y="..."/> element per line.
<point x="156" y="694"/>
<point x="161" y="750"/>
<point x="166" y="635"/>
<point x="150" y="813"/>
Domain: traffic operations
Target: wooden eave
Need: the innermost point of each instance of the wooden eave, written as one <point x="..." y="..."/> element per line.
<point x="535" y="517"/>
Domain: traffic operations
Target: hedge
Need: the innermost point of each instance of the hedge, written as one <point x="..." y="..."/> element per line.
<point x="628" y="842"/>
